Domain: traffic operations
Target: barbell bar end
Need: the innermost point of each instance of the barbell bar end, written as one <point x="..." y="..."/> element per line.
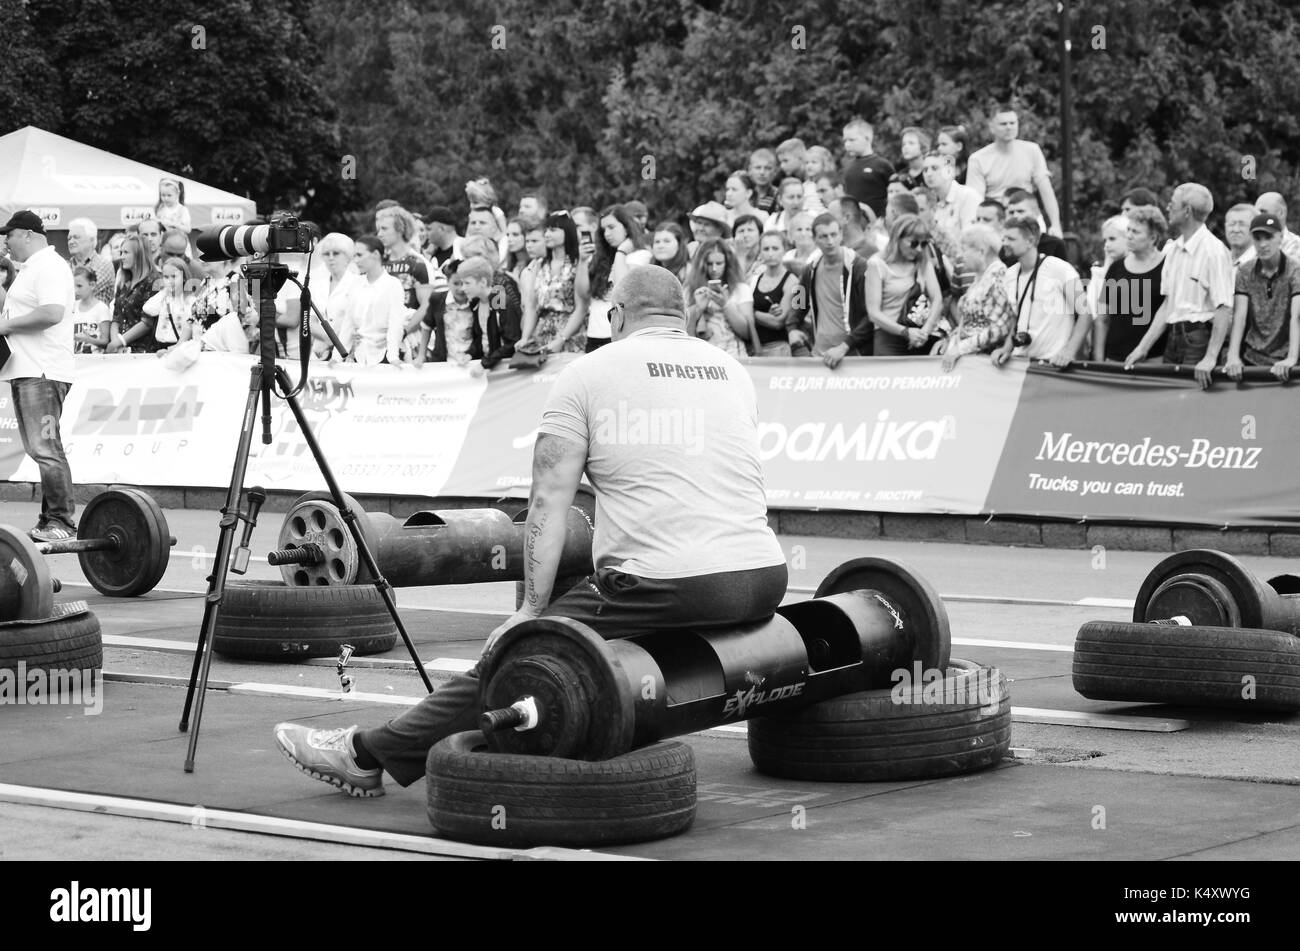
<point x="521" y="716"/>
<point x="309" y="554"/>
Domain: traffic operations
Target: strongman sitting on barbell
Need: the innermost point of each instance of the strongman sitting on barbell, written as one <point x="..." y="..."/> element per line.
<point x="665" y="427"/>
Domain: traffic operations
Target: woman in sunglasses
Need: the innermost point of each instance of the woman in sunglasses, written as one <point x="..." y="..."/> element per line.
<point x="902" y="290"/>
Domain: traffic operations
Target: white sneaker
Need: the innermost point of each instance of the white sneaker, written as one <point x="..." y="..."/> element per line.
<point x="327" y="755"/>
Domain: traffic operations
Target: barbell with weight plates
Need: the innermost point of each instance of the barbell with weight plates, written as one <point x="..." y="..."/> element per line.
<point x="1213" y="589"/>
<point x="553" y="687"/>
<point x="464" y="546"/>
<point x="122" y="543"/>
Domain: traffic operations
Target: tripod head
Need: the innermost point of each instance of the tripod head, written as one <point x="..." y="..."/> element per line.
<point x="264" y="280"/>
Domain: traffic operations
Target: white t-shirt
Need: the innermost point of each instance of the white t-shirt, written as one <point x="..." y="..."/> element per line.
<point x="1042" y="302"/>
<point x="330" y="301"/>
<point x="993" y="170"/>
<point x="88" y="321"/>
<point x="44" y="279"/>
<point x="377" y="309"/>
<point x="173" y="314"/>
<point x="671" y="429"/>
<point x="175" y="216"/>
<point x="227" y="335"/>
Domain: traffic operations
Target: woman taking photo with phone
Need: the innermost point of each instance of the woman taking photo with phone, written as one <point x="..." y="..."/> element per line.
<point x="720" y="305"/>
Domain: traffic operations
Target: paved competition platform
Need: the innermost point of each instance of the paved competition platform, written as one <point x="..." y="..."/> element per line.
<point x="1166" y="783"/>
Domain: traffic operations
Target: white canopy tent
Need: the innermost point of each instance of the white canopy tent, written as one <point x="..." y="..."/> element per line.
<point x="61" y="179"/>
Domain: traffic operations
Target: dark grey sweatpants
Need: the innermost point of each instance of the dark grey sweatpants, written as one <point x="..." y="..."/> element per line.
<point x="611" y="603"/>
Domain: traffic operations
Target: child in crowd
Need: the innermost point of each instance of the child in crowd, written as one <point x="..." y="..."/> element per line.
<point x="481" y="194"/>
<point x="817" y="161"/>
<point x="458" y="320"/>
<point x="790" y="203"/>
<point x="1114" y="246"/>
<point x="170" y="210"/>
<point x="92" y="315"/>
<point x="173" y="305"/>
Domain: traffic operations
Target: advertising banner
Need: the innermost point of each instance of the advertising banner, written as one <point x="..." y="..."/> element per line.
<point x="1094" y="445"/>
<point x="382" y="429"/>
<point x="883" y="435"/>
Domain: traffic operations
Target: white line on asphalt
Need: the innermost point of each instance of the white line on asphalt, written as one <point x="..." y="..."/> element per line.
<point x="1117" y="603"/>
<point x="460" y="665"/>
<point x="1001" y="599"/>
<point x="1105" y="721"/>
<point x="205" y="817"/>
<point x="1013" y="645"/>
<point x="455" y="665"/>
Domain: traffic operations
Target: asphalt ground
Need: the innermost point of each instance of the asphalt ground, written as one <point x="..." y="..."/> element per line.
<point x="1221" y="788"/>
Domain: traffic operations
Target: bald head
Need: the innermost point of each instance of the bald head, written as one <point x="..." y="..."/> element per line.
<point x="1272" y="203"/>
<point x="647" y="296"/>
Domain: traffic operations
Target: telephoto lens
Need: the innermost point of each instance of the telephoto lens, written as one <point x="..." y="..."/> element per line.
<point x="231" y="241"/>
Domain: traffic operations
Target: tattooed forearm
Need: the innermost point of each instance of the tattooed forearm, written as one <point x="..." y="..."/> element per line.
<point x="532" y="538"/>
<point x="557" y="468"/>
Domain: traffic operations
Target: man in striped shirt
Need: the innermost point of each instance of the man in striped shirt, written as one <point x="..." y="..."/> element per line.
<point x="1198" y="285"/>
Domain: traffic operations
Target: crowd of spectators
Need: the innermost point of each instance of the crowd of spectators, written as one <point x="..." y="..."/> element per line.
<point x="936" y="252"/>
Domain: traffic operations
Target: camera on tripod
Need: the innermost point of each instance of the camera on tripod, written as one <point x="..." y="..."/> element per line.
<point x="285" y="234"/>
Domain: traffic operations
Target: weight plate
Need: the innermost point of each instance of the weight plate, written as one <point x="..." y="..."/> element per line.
<point x="918" y="605"/>
<point x="26" y="591"/>
<point x="1225" y="574"/>
<point x="590" y="670"/>
<point x="1204" y="600"/>
<point x="563" y="707"/>
<point x="314" y="518"/>
<point x="138" y="560"/>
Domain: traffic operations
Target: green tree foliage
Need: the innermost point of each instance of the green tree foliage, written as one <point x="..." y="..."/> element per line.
<point x="28" y="90"/>
<point x="224" y="91"/>
<point x="339" y="103"/>
<point x="589" y="97"/>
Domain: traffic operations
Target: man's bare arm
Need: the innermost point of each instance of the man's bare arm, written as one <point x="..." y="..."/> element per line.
<point x="558" y="464"/>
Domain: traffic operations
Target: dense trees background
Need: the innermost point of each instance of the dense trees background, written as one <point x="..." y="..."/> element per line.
<point x="329" y="105"/>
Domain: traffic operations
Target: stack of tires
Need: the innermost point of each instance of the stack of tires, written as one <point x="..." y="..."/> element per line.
<point x="1206" y="632"/>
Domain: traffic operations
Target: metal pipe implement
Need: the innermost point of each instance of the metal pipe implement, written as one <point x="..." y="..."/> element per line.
<point x="456" y="546"/>
<point x="1213" y="589"/>
<point x="553" y="687"/>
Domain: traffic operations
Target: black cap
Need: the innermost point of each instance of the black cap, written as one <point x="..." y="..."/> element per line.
<point x="440" y="214"/>
<point x="1266" y="223"/>
<point x="27" y="220"/>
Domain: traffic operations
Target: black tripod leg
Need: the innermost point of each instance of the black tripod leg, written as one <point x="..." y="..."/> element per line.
<point x="217" y="582"/>
<point x="381" y="583"/>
